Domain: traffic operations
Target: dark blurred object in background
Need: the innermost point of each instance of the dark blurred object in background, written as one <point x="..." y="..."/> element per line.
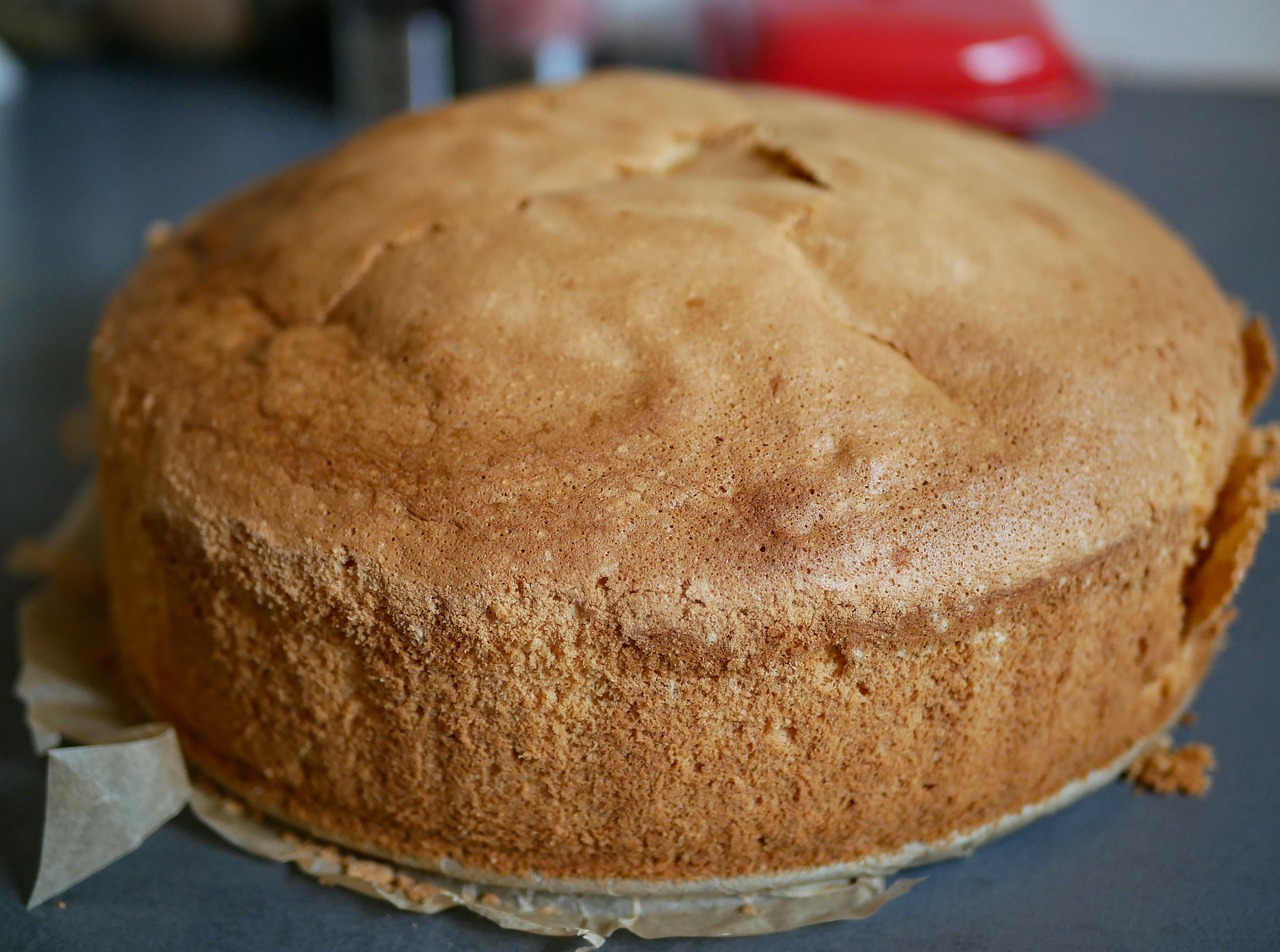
<point x="199" y="29"/>
<point x="997" y="63"/>
<point x="189" y="29"/>
<point x="50" y="27"/>
<point x="392" y="55"/>
<point x="546" y="41"/>
<point x="286" y="40"/>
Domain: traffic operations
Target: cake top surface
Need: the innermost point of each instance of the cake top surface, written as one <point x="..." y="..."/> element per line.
<point x="674" y="356"/>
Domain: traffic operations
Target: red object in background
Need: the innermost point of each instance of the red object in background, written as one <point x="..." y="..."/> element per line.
<point x="997" y="62"/>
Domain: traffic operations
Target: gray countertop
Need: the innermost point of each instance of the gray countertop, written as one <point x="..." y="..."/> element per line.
<point x="89" y="156"/>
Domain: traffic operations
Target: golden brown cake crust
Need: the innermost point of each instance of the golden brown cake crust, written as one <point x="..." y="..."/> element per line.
<point x="654" y="479"/>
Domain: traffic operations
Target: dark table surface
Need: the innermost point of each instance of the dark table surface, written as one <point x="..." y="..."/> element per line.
<point x="90" y="155"/>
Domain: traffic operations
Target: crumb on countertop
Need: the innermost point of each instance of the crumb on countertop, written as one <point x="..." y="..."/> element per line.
<point x="1164" y="769"/>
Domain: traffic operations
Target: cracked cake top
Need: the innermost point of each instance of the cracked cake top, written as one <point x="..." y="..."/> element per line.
<point x="725" y="358"/>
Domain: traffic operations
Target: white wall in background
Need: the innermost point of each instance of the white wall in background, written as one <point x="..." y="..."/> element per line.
<point x="1200" y="42"/>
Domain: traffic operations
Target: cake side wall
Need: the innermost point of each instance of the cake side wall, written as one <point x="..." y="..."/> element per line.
<point x="580" y="755"/>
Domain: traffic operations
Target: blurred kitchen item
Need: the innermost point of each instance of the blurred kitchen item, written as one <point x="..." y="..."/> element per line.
<point x="173" y="29"/>
<point x="998" y="63"/>
<point x="189" y="29"/>
<point x="392" y="55"/>
<point x="656" y="34"/>
<point x="544" y="41"/>
<point x="50" y="27"/>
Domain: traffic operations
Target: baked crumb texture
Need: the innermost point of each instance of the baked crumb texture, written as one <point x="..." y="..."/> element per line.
<point x="659" y="480"/>
<point x="1165" y="769"/>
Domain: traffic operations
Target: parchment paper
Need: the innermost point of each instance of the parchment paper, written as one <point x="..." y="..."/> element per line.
<point x="107" y="796"/>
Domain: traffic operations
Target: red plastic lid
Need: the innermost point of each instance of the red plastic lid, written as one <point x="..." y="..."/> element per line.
<point x="998" y="63"/>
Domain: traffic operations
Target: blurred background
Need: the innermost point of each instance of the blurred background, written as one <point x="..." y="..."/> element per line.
<point x="1014" y="63"/>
